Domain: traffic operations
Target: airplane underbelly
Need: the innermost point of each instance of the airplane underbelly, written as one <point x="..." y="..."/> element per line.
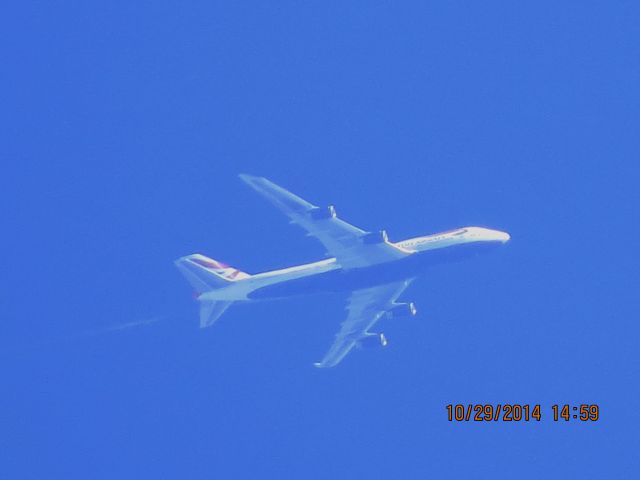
<point x="337" y="281"/>
<point x="349" y="280"/>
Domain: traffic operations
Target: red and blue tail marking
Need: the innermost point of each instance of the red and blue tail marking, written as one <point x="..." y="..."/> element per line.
<point x="206" y="274"/>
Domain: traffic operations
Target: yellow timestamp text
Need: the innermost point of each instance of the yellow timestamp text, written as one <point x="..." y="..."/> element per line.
<point x="516" y="412"/>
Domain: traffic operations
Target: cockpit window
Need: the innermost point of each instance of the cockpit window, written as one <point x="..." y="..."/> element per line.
<point x="460" y="232"/>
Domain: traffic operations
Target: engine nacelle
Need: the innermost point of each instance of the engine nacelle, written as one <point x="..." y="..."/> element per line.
<point x="403" y="310"/>
<point x="374" y="340"/>
<point x="373" y="238"/>
<point x="323" y="213"/>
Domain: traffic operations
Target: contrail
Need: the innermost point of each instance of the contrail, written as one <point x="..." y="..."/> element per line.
<point x="116" y="328"/>
<point x="86" y="334"/>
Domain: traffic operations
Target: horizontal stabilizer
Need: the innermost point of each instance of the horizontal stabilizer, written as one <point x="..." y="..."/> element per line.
<point x="210" y="311"/>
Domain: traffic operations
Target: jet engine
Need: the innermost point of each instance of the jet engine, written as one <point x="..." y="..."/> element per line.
<point x="373" y="238"/>
<point x="403" y="310"/>
<point x="323" y="213"/>
<point x="373" y="340"/>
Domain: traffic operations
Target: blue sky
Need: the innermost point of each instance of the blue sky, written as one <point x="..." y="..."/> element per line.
<point x="124" y="126"/>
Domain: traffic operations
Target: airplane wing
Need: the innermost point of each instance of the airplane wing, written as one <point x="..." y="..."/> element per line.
<point x="351" y="246"/>
<point x="366" y="307"/>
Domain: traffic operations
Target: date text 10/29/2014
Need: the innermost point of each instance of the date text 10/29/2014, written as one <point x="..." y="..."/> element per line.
<point x="515" y="412"/>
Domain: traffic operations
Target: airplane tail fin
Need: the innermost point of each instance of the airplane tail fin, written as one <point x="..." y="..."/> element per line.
<point x="205" y="274"/>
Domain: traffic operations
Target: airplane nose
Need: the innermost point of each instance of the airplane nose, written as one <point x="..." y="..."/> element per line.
<point x="496" y="236"/>
<point x="503" y="237"/>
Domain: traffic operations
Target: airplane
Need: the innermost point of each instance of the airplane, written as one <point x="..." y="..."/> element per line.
<point x="370" y="268"/>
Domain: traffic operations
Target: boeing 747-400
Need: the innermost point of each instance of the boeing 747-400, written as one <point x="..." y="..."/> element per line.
<point x="371" y="269"/>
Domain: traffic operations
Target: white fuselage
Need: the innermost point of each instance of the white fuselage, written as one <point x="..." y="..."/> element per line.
<point x="241" y="289"/>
